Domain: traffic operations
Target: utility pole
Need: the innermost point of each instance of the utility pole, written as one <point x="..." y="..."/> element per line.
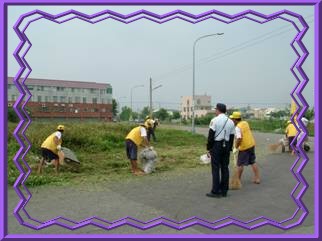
<point x="150" y="97"/>
<point x="151" y="89"/>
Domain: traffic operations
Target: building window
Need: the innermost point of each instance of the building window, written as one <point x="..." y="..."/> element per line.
<point x="184" y="108"/>
<point x="70" y="99"/>
<point x="77" y="99"/>
<point x="40" y="88"/>
<point x="109" y="90"/>
<point x="47" y="99"/>
<point x="73" y="90"/>
<point x="30" y="87"/>
<point x="39" y="98"/>
<point x="102" y="92"/>
<point x="13" y="97"/>
<point x="94" y="100"/>
<point x="58" y="88"/>
<point x="62" y="99"/>
<point x="103" y="101"/>
<point x="198" y="101"/>
<point x="84" y="100"/>
<point x="187" y="102"/>
<point x="9" y="86"/>
<point x="55" y="98"/>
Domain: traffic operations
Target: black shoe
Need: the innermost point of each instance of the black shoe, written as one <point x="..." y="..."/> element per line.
<point x="214" y="195"/>
<point x="224" y="194"/>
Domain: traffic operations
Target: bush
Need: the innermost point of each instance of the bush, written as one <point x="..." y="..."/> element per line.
<point x="12" y="116"/>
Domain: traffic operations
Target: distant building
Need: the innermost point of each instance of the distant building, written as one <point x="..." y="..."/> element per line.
<point x="202" y="106"/>
<point x="65" y="99"/>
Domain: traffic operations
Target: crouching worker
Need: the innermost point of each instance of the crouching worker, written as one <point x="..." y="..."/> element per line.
<point x="135" y="138"/>
<point x="51" y="150"/>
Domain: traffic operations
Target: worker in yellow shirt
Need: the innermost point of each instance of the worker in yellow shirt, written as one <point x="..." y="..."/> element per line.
<point x="245" y="146"/>
<point x="135" y="138"/>
<point x="149" y="123"/>
<point x="290" y="133"/>
<point x="51" y="149"/>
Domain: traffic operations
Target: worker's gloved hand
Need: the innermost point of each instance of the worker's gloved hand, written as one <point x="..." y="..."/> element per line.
<point x="59" y="147"/>
<point x="235" y="150"/>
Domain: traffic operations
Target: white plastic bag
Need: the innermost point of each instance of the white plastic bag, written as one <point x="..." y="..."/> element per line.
<point x="148" y="157"/>
<point x="205" y="159"/>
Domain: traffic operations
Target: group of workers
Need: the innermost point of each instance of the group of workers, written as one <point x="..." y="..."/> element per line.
<point x="51" y="148"/>
<point x="226" y="134"/>
<point x="290" y="135"/>
<point x="139" y="136"/>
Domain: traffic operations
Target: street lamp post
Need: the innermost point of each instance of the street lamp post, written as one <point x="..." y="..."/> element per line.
<point x="134" y="87"/>
<point x="193" y="79"/>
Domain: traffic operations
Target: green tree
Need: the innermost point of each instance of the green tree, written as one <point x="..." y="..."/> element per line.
<point x="114" y="107"/>
<point x="144" y="112"/>
<point x="125" y="113"/>
<point x="176" y="115"/>
<point x="162" y="114"/>
<point x="135" y="115"/>
<point x="310" y="114"/>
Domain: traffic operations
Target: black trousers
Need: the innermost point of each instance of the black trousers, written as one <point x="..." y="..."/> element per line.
<point x="219" y="167"/>
<point x="151" y="133"/>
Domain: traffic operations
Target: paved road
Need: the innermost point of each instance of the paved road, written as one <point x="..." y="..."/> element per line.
<point x="179" y="195"/>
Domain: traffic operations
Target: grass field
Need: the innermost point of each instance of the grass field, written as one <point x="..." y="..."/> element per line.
<point x="101" y="151"/>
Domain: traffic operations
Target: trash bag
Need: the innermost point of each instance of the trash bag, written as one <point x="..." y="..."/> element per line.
<point x="148" y="157"/>
<point x="70" y="157"/>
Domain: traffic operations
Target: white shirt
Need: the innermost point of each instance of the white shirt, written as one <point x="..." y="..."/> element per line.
<point x="143" y="132"/>
<point x="222" y="126"/>
<point x="238" y="133"/>
<point x="305" y="121"/>
<point x="58" y="134"/>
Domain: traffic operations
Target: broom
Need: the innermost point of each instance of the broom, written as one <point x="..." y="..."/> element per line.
<point x="235" y="183"/>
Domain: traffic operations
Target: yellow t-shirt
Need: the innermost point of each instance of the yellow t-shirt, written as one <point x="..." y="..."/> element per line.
<point x="290" y="130"/>
<point x="49" y="143"/>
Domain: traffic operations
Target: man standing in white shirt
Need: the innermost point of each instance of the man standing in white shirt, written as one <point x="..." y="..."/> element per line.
<point x="220" y="141"/>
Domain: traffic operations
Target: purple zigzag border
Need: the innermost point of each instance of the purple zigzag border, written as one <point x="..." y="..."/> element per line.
<point x="143" y="14"/>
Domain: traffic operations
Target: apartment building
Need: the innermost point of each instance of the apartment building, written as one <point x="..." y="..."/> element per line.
<point x="65" y="99"/>
<point x="202" y="106"/>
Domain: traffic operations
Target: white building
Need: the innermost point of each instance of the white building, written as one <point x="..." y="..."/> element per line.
<point x="202" y="106"/>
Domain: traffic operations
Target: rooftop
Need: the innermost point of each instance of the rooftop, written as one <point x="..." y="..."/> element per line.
<point x="63" y="83"/>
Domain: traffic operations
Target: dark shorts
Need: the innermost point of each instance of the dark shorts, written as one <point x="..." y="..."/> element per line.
<point x="290" y="140"/>
<point x="48" y="154"/>
<point x="246" y="157"/>
<point x="131" y="150"/>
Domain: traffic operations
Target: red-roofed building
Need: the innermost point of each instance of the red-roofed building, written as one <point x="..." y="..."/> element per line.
<point x="65" y="99"/>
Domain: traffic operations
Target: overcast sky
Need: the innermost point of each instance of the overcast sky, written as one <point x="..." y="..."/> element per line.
<point x="249" y="64"/>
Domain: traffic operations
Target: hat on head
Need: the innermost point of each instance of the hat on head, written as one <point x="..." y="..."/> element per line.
<point x="235" y="115"/>
<point x="60" y="128"/>
<point x="221" y="107"/>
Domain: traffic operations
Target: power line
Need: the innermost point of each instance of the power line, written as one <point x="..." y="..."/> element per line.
<point x="255" y="41"/>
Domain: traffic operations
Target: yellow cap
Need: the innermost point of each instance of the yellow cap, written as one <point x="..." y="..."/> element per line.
<point x="60" y="128"/>
<point x="235" y="115"/>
